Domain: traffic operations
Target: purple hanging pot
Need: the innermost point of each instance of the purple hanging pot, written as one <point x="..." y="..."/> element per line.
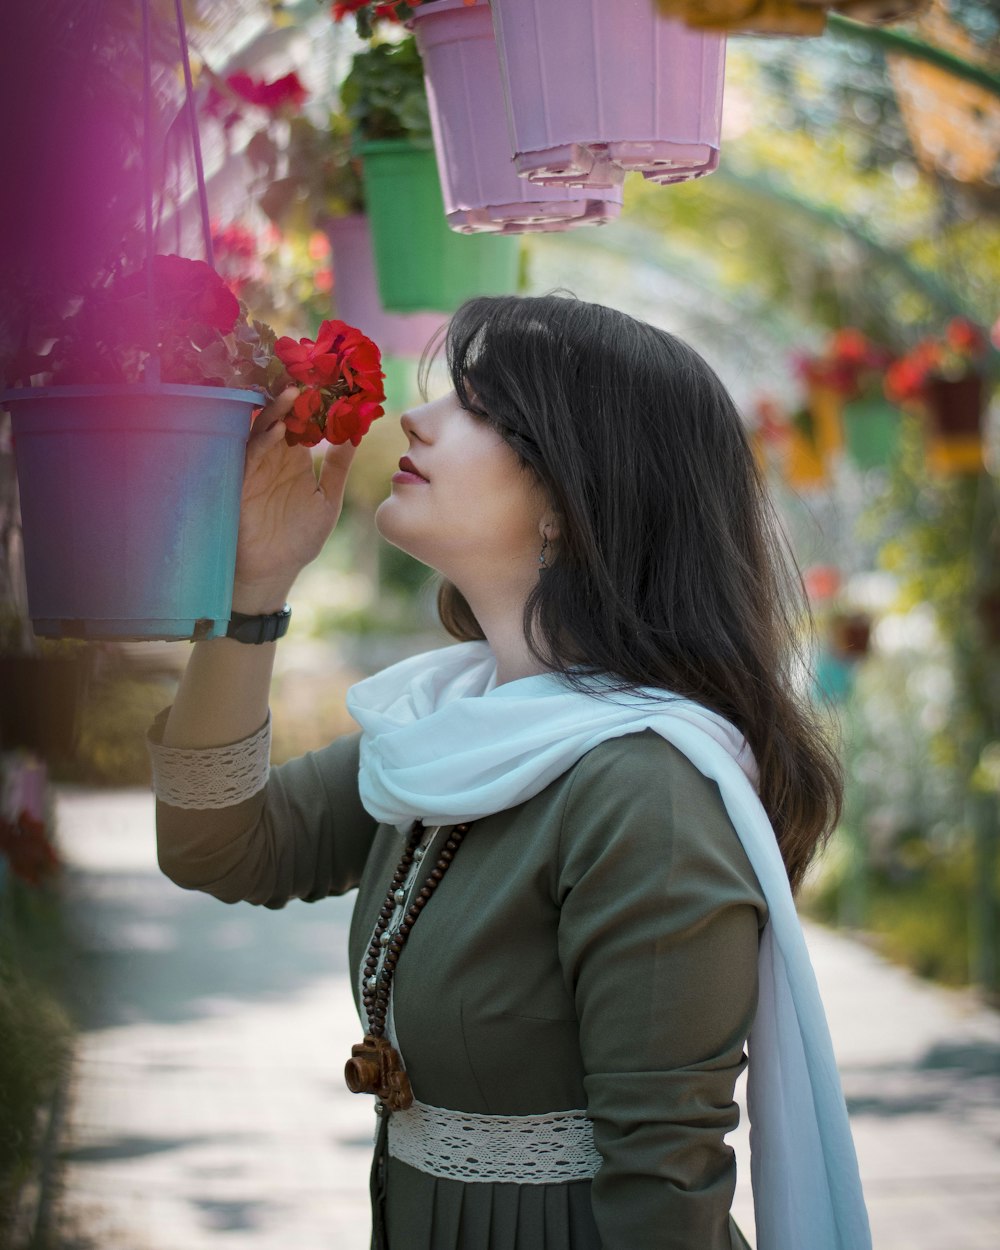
<point x="481" y="188"/>
<point x="589" y="82"/>
<point x="356" y="292"/>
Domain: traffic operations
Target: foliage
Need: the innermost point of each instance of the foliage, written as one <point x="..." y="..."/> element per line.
<point x="302" y="173"/>
<point x="819" y="207"/>
<point x="111" y="747"/>
<point x="196" y="329"/>
<point x="34" y="1023"/>
<point x="384" y="95"/>
<point x="918" y="917"/>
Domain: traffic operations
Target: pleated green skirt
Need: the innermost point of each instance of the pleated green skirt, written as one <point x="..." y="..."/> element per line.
<point x="412" y="1210"/>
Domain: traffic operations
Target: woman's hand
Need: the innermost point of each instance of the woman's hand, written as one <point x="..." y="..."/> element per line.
<point x="286" y="514"/>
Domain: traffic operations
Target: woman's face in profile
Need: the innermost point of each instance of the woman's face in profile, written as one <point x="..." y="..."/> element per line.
<point x="462" y="502"/>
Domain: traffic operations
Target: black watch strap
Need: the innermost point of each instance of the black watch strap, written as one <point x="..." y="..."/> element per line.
<point x="257" y="629"/>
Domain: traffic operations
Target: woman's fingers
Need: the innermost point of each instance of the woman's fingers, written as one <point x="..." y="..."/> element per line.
<point x="334" y="469"/>
<point x="276" y="410"/>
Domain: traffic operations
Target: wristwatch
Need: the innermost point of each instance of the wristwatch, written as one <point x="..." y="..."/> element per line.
<point x="257" y="629"/>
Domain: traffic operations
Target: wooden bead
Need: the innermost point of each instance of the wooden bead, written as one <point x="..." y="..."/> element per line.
<point x="376" y="1001"/>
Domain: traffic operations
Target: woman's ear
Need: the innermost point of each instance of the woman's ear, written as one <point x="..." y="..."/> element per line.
<point x="548" y="527"/>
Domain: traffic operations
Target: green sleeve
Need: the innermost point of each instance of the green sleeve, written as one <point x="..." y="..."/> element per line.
<point x="305" y="835"/>
<point x="660" y="916"/>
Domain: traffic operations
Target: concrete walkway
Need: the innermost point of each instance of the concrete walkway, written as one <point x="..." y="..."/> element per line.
<point x="208" y="1108"/>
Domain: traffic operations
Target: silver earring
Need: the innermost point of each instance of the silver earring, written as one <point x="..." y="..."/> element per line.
<point x="541" y="555"/>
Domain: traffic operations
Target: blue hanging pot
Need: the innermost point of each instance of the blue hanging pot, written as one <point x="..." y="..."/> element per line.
<point x="130" y="506"/>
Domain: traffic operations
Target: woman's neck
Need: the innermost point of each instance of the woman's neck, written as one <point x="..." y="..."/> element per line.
<point x="499" y="609"/>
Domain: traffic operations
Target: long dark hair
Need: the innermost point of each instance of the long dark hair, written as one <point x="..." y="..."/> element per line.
<point x="671" y="568"/>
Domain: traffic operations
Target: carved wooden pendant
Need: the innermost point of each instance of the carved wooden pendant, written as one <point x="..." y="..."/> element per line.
<point x="376" y="1068"/>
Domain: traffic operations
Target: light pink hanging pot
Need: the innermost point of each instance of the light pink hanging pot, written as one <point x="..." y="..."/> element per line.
<point x="480" y="185"/>
<point x="596" y="81"/>
<point x="357" y="298"/>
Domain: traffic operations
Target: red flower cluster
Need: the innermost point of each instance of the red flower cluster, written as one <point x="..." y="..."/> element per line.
<point x="385" y="12"/>
<point x="234" y="240"/>
<point x="184" y="291"/>
<point x="952" y="356"/>
<point x="850" y="360"/>
<point x="286" y="92"/>
<point x="30" y="854"/>
<point x="342" y="379"/>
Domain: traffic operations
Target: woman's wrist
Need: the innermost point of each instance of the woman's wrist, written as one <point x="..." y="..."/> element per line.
<point x="260" y="600"/>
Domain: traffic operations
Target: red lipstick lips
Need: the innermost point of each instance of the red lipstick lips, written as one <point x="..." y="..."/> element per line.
<point x="408" y="472"/>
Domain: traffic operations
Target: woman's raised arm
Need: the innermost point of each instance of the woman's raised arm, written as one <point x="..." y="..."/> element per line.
<point x="226" y="823"/>
<point x="286" y="515"/>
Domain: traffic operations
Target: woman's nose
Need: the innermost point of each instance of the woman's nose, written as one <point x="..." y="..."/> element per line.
<point x="414" y="426"/>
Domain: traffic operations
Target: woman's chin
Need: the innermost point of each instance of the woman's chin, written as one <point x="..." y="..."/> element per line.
<point x="391" y="526"/>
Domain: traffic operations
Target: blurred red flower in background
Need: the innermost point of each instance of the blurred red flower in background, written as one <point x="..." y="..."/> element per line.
<point x="29" y="852"/>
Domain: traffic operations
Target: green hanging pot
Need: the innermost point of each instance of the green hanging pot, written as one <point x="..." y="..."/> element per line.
<point x="871" y="432"/>
<point x="420" y="262"/>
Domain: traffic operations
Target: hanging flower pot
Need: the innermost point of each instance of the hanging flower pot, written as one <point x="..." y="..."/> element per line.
<point x="481" y="188"/>
<point x="833" y="679"/>
<point x="954" y="409"/>
<point x="586" y="81"/>
<point x="871" y="432"/>
<point x="850" y="635"/>
<point x="356" y="292"/>
<point x="943" y="377"/>
<point x="422" y="264"/>
<point x="130" y="507"/>
<point x="826" y="406"/>
<point x="804" y="466"/>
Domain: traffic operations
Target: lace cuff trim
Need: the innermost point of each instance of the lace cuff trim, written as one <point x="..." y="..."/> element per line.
<point x="521" y="1149"/>
<point x="209" y="777"/>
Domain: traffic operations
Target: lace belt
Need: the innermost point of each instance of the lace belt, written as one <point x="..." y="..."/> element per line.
<point x="517" y="1149"/>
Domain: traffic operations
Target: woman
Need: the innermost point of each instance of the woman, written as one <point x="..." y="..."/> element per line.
<point x="576" y="833"/>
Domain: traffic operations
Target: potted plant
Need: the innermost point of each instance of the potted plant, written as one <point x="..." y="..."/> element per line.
<point x="944" y="377"/>
<point x="129" y="443"/>
<point x="420" y="263"/>
<point x="850" y="634"/>
<point x="305" y="178"/>
<point x="480" y="185"/>
<point x="782" y="17"/>
<point x="853" y="369"/>
<point x="588" y="82"/>
<point x="805" y="465"/>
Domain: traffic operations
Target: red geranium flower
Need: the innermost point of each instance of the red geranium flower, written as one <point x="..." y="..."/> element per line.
<point x="342" y="374"/>
<point x="387" y="11"/>
<point x="964" y="337"/>
<point x="185" y="290"/>
<point x="315" y="363"/>
<point x="30" y="854"/>
<point x="269" y="95"/>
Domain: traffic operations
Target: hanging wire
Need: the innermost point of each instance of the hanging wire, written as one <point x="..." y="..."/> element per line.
<point x="151" y="367"/>
<point x="206" y="228"/>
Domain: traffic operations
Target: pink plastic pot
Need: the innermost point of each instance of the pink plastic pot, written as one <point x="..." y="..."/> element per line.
<point x="357" y="298"/>
<point x="589" y="81"/>
<point x="480" y="186"/>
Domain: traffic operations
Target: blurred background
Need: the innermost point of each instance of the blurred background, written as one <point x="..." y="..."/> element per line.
<point x="840" y="272"/>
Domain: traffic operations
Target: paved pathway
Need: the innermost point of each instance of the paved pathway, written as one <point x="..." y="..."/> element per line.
<point x="208" y="1111"/>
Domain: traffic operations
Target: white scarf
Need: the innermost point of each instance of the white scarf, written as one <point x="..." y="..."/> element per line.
<point x="443" y="743"/>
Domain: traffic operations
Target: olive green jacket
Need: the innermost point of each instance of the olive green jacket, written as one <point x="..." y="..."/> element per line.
<point x="594" y="947"/>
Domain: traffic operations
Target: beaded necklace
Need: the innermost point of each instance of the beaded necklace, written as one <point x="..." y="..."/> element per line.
<point x="375" y="1066"/>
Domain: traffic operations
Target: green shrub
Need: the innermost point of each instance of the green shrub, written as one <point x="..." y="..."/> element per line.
<point x="35" y="1025"/>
